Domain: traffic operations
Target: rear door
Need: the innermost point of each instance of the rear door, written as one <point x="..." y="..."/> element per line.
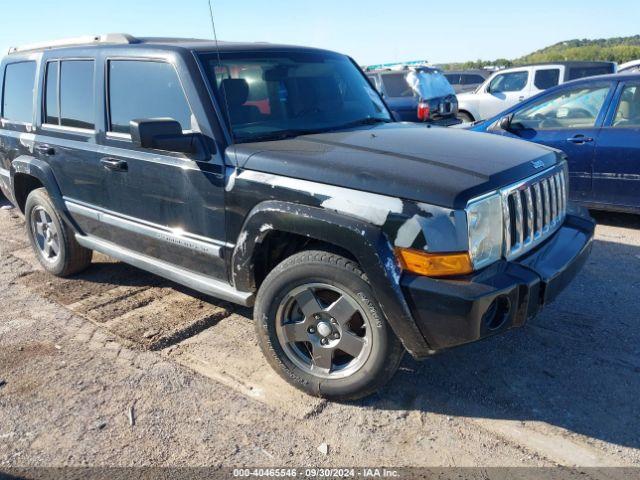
<point x="67" y="134"/>
<point x="616" y="171"/>
<point x="568" y="119"/>
<point x="167" y="205"/>
<point x="503" y="91"/>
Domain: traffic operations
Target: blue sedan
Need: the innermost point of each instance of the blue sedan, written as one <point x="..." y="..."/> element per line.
<point x="596" y="122"/>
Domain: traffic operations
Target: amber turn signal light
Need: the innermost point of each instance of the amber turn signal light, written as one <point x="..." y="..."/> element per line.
<point x="434" y="264"/>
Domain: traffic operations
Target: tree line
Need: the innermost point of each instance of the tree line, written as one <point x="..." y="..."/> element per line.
<point x="619" y="49"/>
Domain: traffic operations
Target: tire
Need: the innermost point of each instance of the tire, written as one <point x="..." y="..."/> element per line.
<point x="53" y="242"/>
<point x="330" y="295"/>
<point x="465" y="117"/>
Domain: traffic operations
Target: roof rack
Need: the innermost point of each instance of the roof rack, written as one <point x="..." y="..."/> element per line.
<point x="115" y="38"/>
<point x="398" y="65"/>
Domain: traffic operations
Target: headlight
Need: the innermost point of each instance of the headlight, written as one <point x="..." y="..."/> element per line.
<point x="484" y="220"/>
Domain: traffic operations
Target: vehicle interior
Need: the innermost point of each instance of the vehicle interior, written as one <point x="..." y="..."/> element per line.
<point x="574" y="108"/>
<point x="628" y="113"/>
<point x="276" y="94"/>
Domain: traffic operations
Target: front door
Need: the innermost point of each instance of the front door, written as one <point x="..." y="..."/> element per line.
<point x="616" y="170"/>
<point x="568" y="119"/>
<point x="168" y="206"/>
<point x="503" y="91"/>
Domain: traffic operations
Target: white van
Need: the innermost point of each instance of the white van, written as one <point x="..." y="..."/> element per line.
<point x="507" y="87"/>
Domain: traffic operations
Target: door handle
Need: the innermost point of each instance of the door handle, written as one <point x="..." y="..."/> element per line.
<point x="579" y="139"/>
<point x="45" y="149"/>
<point x="521" y="98"/>
<point x="114" y="164"/>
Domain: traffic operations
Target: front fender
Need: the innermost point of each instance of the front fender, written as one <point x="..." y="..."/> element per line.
<point x="470" y="106"/>
<point x="366" y="242"/>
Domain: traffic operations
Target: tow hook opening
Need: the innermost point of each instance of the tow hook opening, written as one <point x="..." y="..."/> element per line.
<point x="497" y="313"/>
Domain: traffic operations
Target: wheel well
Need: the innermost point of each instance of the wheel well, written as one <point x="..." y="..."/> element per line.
<point x="278" y="245"/>
<point x="23" y="185"/>
<point x="466" y="112"/>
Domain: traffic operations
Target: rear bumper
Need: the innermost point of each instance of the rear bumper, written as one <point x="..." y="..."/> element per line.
<point x="504" y="295"/>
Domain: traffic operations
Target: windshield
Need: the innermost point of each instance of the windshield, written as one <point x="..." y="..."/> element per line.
<point x="279" y="94"/>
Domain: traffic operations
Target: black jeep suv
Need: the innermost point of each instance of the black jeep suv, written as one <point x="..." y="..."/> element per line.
<point x="274" y="176"/>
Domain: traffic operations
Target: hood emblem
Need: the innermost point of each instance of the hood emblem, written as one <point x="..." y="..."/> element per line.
<point x="537" y="164"/>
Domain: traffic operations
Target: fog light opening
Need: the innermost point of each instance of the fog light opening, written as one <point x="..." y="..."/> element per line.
<point x="497" y="313"/>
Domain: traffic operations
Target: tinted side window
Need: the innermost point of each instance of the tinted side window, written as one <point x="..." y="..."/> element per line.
<point x="76" y="94"/>
<point x="472" y="79"/>
<point x="454" y="78"/>
<point x="51" y="107"/>
<point x="396" y="85"/>
<point x="546" y="78"/>
<point x="145" y="89"/>
<point x="509" y="82"/>
<point x="17" y="100"/>
<point x="582" y="72"/>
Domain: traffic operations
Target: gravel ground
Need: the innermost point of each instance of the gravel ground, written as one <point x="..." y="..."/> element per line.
<point x="116" y="367"/>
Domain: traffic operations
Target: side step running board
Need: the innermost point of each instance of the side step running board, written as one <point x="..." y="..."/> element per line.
<point x="196" y="281"/>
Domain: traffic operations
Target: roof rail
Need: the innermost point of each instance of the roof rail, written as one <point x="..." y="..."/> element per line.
<point x="116" y="38"/>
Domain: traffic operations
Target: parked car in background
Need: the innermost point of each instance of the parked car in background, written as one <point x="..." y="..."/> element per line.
<point x="466" y="80"/>
<point x="354" y="237"/>
<point x="632" y="66"/>
<point x="417" y="94"/>
<point x="506" y="88"/>
<point x="596" y="122"/>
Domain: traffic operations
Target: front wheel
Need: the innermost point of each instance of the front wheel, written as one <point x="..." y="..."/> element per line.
<point x="321" y="329"/>
<point x="464" y="117"/>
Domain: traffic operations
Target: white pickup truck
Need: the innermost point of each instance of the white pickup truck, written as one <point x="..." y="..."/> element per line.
<point x="507" y="87"/>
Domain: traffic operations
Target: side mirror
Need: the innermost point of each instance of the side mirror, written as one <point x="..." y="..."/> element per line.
<point x="165" y="134"/>
<point x="505" y="123"/>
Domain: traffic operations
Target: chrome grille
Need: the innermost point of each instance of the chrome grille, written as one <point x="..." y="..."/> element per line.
<point x="533" y="210"/>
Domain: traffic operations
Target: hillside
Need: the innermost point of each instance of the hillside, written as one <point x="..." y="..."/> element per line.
<point x="619" y="49"/>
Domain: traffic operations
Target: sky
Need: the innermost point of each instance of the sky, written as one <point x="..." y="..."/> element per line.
<point x="371" y="31"/>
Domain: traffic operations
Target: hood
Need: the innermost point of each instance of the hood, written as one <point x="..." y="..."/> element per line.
<point x="439" y="166"/>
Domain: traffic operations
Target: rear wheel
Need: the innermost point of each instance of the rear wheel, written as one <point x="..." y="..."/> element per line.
<point x="52" y="240"/>
<point x="321" y="329"/>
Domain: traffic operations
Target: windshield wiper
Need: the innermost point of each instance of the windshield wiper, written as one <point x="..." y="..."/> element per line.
<point x="292" y="133"/>
<point x="360" y="122"/>
<point x="279" y="135"/>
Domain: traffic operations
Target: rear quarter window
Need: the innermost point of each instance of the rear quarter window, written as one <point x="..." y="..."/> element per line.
<point x="17" y="95"/>
<point x="395" y="85"/>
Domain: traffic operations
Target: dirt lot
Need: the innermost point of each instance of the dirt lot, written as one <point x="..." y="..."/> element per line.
<point x="81" y="358"/>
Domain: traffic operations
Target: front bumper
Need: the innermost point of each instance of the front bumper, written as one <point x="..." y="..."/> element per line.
<point x="504" y="295"/>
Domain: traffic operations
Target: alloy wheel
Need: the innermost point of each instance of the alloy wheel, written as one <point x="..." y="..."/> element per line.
<point x="45" y="234"/>
<point x="323" y="330"/>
